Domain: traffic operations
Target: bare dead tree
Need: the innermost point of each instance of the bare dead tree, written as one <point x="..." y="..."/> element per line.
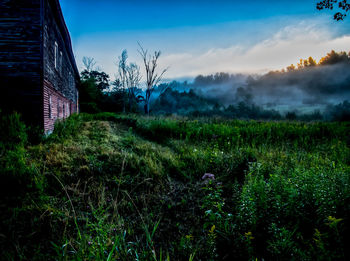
<point x="152" y="78"/>
<point x="122" y="71"/>
<point x="133" y="75"/>
<point x="89" y="63"/>
<point x="133" y="81"/>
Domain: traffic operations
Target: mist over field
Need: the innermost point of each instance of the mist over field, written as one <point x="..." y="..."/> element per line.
<point x="310" y="86"/>
<point x="304" y="88"/>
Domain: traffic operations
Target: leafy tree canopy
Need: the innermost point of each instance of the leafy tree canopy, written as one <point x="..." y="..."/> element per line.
<point x="334" y="58"/>
<point x="101" y="78"/>
<point x="343" y="6"/>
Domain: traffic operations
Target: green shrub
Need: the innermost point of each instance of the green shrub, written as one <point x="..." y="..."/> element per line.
<point x="16" y="176"/>
<point x="12" y="132"/>
<point x="67" y="128"/>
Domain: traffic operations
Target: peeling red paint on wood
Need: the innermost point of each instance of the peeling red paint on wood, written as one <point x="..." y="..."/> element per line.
<point x="56" y="106"/>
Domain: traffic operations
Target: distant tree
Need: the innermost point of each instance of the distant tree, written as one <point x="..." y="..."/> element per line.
<point x="243" y="95"/>
<point x="93" y="85"/>
<point x="300" y="64"/>
<point x="212" y="79"/>
<point x="128" y="80"/>
<point x="331" y="58"/>
<point x="200" y="80"/>
<point x="334" y="58"/>
<point x="89" y="96"/>
<point x="115" y="85"/>
<point x="101" y="79"/>
<point x="133" y="81"/>
<point x="306" y="63"/>
<point x="152" y="77"/>
<point x="122" y="74"/>
<point x="343" y="7"/>
<point x="221" y="77"/>
<point x="114" y="99"/>
<point x="89" y="63"/>
<point x="291" y="68"/>
<point x="310" y="62"/>
<point x="340" y="112"/>
<point x="291" y="116"/>
<point x="174" y="101"/>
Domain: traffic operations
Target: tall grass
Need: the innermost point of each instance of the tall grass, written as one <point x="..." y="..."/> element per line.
<point x="125" y="187"/>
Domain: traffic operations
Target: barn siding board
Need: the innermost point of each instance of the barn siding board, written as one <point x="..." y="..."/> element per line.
<point x="55" y="107"/>
<point x="28" y="31"/>
<point x="20" y="29"/>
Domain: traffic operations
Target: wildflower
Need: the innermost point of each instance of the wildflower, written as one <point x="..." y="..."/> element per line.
<point x="208" y="176"/>
<point x="212" y="229"/>
<point x="189" y="237"/>
<point x="333" y="221"/>
<point x="211" y="233"/>
<point x="249" y="235"/>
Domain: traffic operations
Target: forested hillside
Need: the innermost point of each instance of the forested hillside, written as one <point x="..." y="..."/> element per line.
<point x="307" y="91"/>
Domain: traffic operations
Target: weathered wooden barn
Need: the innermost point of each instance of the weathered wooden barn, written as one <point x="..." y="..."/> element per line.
<point x="38" y="73"/>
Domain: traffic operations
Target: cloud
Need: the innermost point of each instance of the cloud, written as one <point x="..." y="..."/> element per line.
<point x="285" y="47"/>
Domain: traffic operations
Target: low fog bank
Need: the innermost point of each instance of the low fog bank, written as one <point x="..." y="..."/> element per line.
<point x="310" y="86"/>
<point x="305" y="89"/>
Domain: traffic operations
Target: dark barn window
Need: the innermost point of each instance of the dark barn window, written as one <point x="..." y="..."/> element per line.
<point x="60" y="63"/>
<point x="58" y="108"/>
<point x="50" y="107"/>
<point x="56" y="55"/>
<point x="63" y="110"/>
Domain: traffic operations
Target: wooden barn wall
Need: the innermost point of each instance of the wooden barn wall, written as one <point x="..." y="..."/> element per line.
<point x="62" y="77"/>
<point x="20" y="58"/>
<point x="56" y="107"/>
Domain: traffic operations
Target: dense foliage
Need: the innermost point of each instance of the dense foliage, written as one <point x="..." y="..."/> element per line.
<point x="125" y="187"/>
<point x="342" y="5"/>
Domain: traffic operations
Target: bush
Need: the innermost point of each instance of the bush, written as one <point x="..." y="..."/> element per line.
<point x="12" y="132"/>
<point x="67" y="128"/>
<point x="17" y="176"/>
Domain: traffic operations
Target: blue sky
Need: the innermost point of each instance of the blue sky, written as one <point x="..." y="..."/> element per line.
<point x="204" y="36"/>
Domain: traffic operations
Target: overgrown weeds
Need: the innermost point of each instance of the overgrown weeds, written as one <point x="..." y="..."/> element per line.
<point x="125" y="187"/>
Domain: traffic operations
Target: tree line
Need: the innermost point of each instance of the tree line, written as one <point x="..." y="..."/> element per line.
<point x="204" y="96"/>
<point x="330" y="59"/>
<point x="124" y="94"/>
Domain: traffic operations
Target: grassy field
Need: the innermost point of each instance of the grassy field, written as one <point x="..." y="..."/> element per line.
<point x="126" y="187"/>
